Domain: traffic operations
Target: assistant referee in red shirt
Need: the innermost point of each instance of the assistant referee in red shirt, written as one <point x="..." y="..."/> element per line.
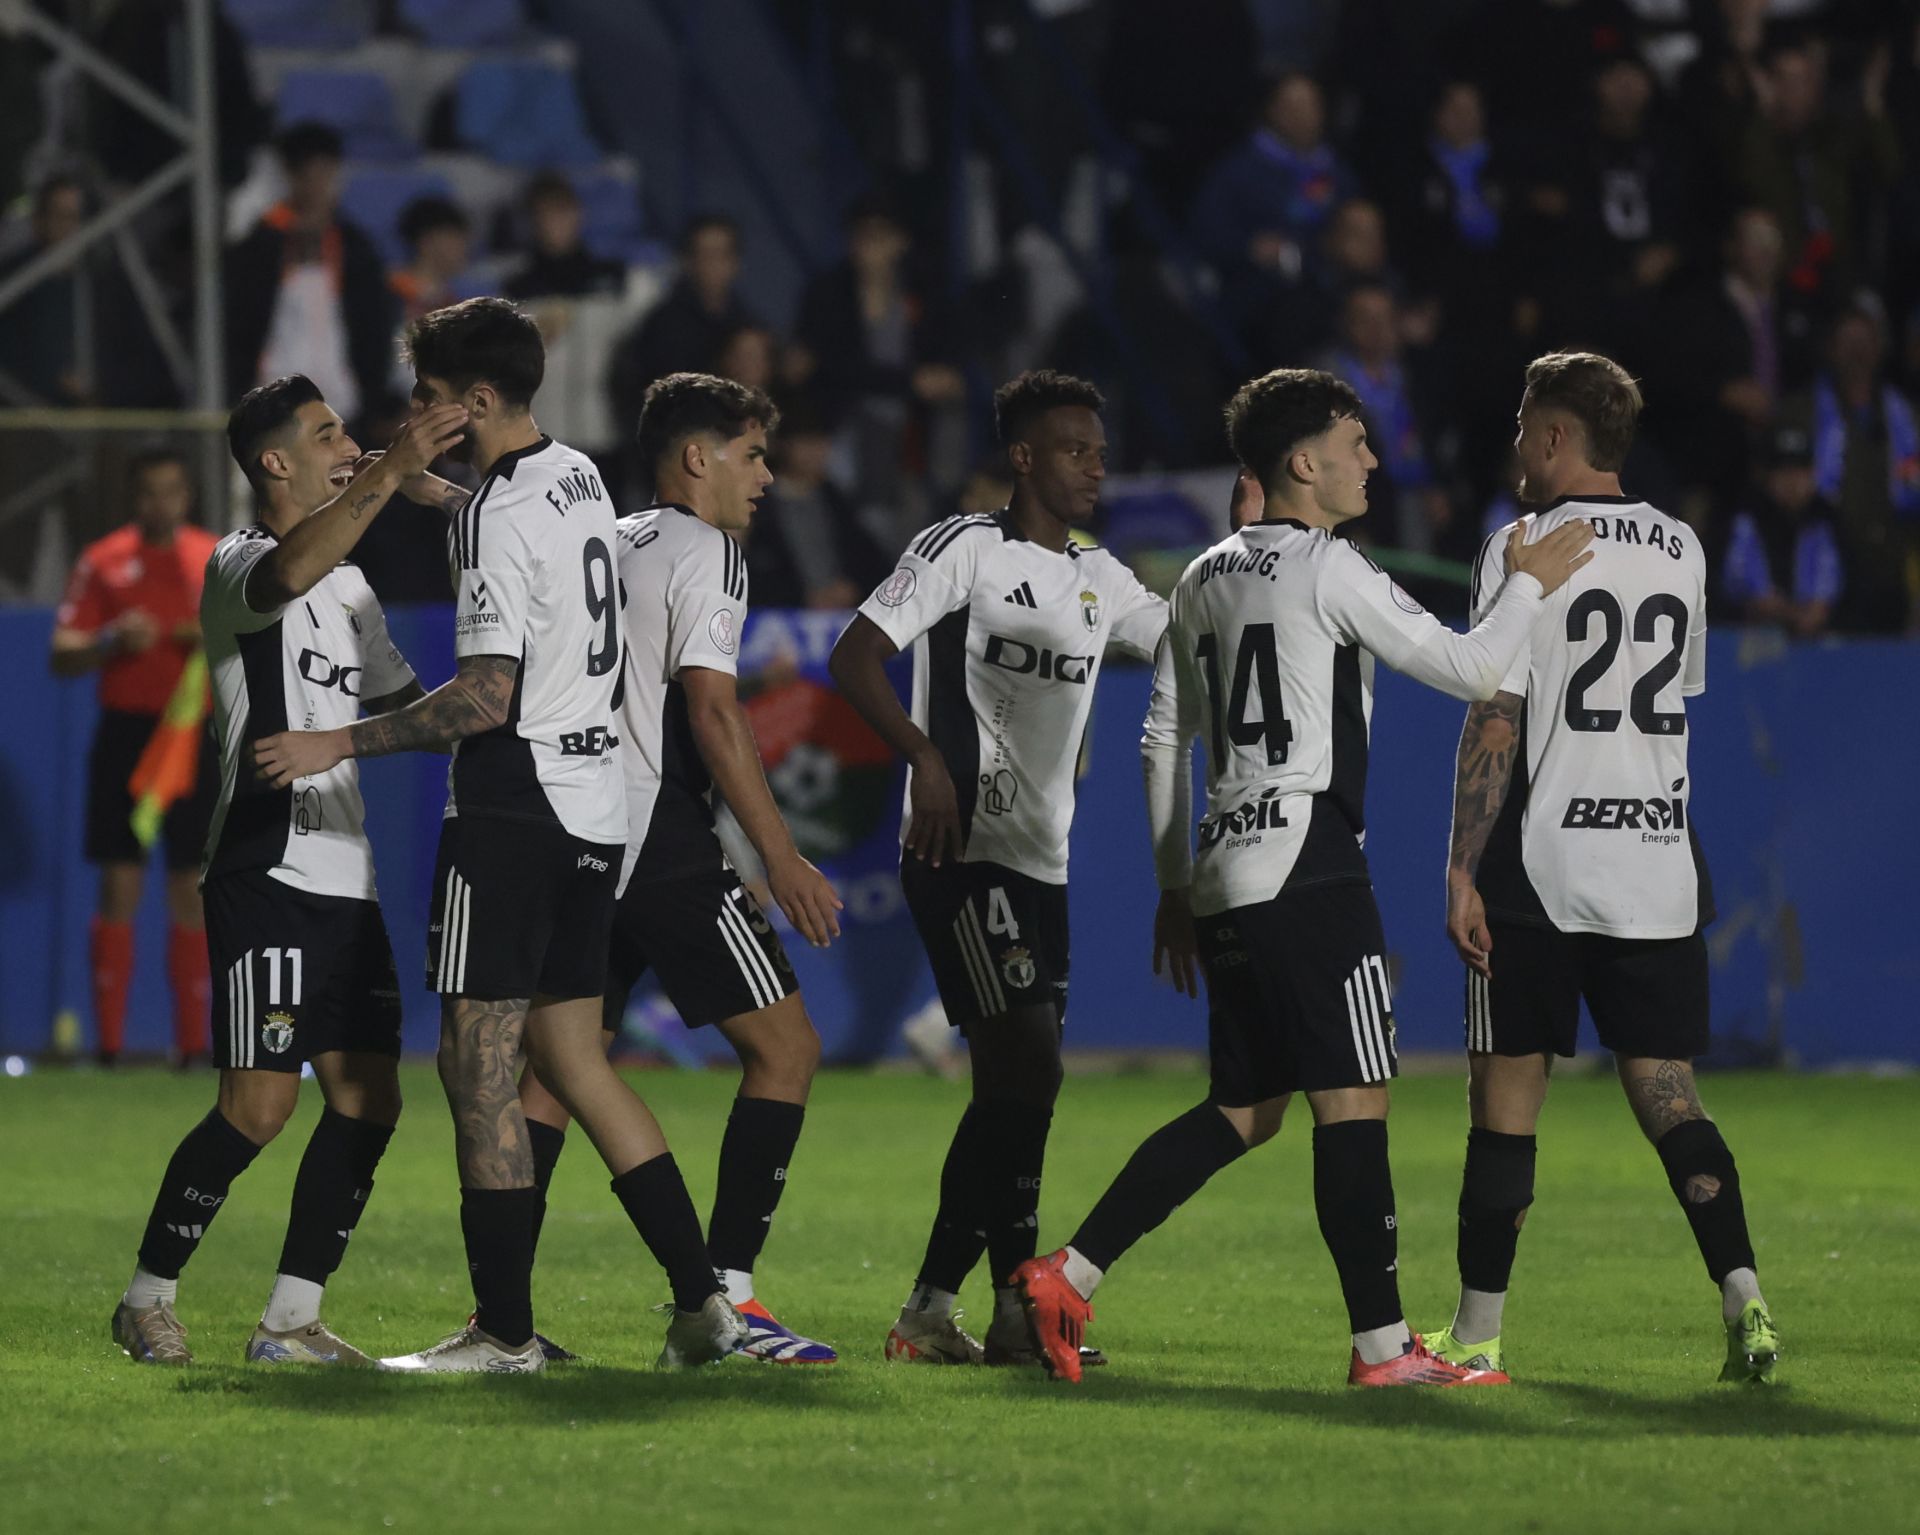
<point x="132" y="612"/>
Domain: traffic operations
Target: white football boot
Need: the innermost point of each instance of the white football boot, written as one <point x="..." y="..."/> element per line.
<point x="317" y="1344"/>
<point x="700" y="1337"/>
<point x="922" y="1337"/>
<point x="470" y="1351"/>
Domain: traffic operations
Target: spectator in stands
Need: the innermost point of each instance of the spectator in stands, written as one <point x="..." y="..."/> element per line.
<point x="1736" y="345"/>
<point x="560" y="266"/>
<point x="1866" y="466"/>
<point x="874" y="349"/>
<point x="1410" y="510"/>
<point x="37" y="332"/>
<point x="809" y="547"/>
<point x="306" y="292"/>
<point x="132" y="613"/>
<point x="1820" y="172"/>
<point x="749" y="355"/>
<point x="1262" y="207"/>
<point x="439" y="240"/>
<point x="1782" y="563"/>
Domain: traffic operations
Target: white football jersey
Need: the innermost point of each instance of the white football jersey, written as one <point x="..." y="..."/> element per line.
<point x="305" y="666"/>
<point x="684" y="583"/>
<point x="532" y="557"/>
<point x="1596" y="835"/>
<point x="1269" y="659"/>
<point x="1007" y="642"/>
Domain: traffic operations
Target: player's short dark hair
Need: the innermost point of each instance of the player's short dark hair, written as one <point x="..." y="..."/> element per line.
<point x="300" y="143"/>
<point x="1597" y="392"/>
<point x="683" y="405"/>
<point x="152" y="456"/>
<point x="262" y="414"/>
<point x="1022" y="401"/>
<point x="700" y="223"/>
<point x="480" y="341"/>
<point x="428" y="215"/>
<point x="1270" y="416"/>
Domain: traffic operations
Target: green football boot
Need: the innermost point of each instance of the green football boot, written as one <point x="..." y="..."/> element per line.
<point x="1753" y="1346"/>
<point x="1473" y="1356"/>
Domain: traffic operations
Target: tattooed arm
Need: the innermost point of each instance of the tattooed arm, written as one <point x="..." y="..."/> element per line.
<point x="1482" y="771"/>
<point x="387" y="703"/>
<point x="479" y="697"/>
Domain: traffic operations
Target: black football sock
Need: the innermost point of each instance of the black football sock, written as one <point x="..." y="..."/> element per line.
<point x="1169" y="1168"/>
<point x="329" y="1193"/>
<point x="754" y="1153"/>
<point x="1353" y="1196"/>
<point x="1495" y="1191"/>
<point x="656" y="1200"/>
<point x="498" y="1226"/>
<point x="192" y="1190"/>
<point x="1701" y="1172"/>
<point x="1013" y="1152"/>
<point x="547" y="1144"/>
<point x="959" y="1234"/>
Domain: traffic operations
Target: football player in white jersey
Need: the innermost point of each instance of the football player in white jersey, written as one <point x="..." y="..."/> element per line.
<point x="1575" y="871"/>
<point x="1269" y="658"/>
<point x="1009" y="619"/>
<point x="683" y="912"/>
<point x="531" y="845"/>
<point x="293" y="921"/>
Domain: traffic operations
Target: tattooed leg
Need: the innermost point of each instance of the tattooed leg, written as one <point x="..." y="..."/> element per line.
<point x="479" y="1065"/>
<point x="1661" y="1093"/>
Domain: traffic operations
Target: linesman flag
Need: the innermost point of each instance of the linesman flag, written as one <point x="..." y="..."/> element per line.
<point x="167" y="768"/>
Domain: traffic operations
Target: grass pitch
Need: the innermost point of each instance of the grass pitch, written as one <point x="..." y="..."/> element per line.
<point x="1224" y="1407"/>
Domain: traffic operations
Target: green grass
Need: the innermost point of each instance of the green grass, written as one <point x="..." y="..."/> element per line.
<point x="1224" y="1408"/>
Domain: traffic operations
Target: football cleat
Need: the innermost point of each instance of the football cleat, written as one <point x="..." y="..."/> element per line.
<point x="700" y="1337"/>
<point x="1753" y="1346"/>
<point x="767" y="1340"/>
<point x="151" y="1335"/>
<point x="318" y="1344"/>
<point x="554" y="1352"/>
<point x="1484" y="1355"/>
<point x="921" y="1337"/>
<point x="1419" y="1366"/>
<point x="471" y="1352"/>
<point x="1057" y="1314"/>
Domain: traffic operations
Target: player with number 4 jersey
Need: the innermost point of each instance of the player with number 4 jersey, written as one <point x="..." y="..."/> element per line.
<point x="1576" y="871"/>
<point x="1009" y="620"/>
<point x="1269" y="660"/>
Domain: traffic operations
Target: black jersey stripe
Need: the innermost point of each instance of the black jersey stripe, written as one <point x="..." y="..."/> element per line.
<point x="940" y="541"/>
<point x="1479" y="564"/>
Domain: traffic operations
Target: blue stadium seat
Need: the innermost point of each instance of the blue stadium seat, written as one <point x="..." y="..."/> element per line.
<point x="465" y="23"/>
<point x="375" y="198"/>
<point x="610" y="225"/>
<point x="525" y="114"/>
<point x="357" y="102"/>
<point x="302" y="23"/>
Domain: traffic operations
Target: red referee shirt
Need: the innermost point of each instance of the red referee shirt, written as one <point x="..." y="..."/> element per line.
<point x="121" y="572"/>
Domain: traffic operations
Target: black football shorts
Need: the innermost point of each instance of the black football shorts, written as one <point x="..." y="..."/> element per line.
<point x="996" y="938"/>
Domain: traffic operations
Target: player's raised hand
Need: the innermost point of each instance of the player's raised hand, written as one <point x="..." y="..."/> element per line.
<point x="808" y="898"/>
<point x="424" y="437"/>
<point x="1467" y="925"/>
<point x="933" y="820"/>
<point x="1553" y="557"/>
<point x="279" y="759"/>
<point x="1174" y="937"/>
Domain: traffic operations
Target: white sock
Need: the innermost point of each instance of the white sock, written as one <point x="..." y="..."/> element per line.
<point x="930" y="1302"/>
<point x="1478" y="1318"/>
<point x="145" y="1291"/>
<point x="1007" y="1311"/>
<point x="295" y="1303"/>
<point x="738" y="1284"/>
<point x="1383" y="1343"/>
<point x="1739" y="1287"/>
<point x="1082" y="1273"/>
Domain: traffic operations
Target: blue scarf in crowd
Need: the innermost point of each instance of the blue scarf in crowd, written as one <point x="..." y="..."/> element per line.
<point x="1903" y="447"/>
<point x="1393" y="428"/>
<point x="1313" y="179"/>
<point x="1477" y="220"/>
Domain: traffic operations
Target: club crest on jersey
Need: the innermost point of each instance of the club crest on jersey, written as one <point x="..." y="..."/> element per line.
<point x="1017" y="966"/>
<point x="897" y="588"/>
<point x="1090" y="611"/>
<point x="1402" y="601"/>
<point x="353" y="618"/>
<point x="276" y="1033"/>
<point x="720" y="631"/>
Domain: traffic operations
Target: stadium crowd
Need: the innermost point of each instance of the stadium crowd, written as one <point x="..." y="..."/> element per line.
<point x="1719" y="193"/>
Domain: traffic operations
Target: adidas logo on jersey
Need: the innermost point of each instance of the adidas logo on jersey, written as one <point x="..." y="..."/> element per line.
<point x="1021" y="596"/>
